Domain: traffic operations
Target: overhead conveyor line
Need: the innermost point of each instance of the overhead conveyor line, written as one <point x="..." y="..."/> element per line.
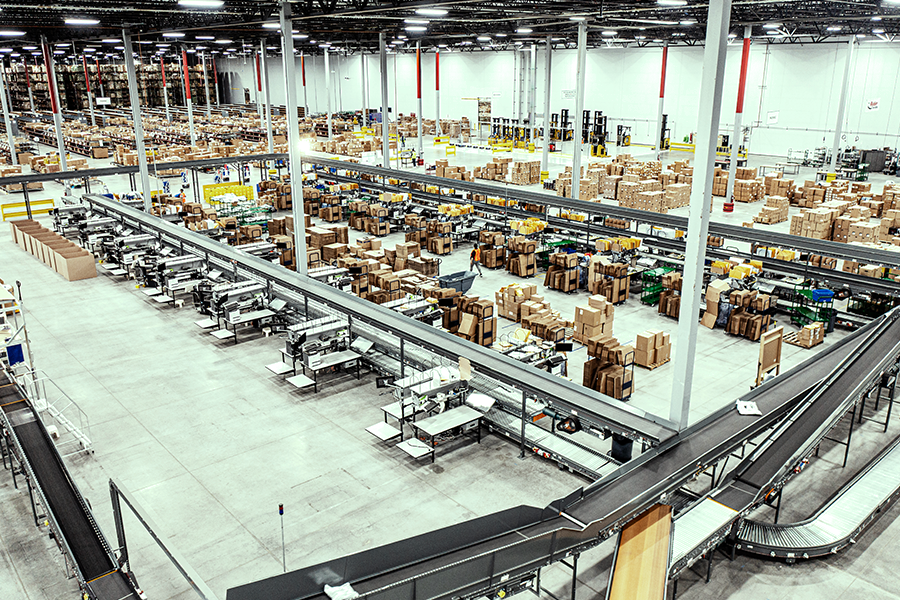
<point x="461" y="562"/>
<point x="566" y="395"/>
<point x="69" y="517"/>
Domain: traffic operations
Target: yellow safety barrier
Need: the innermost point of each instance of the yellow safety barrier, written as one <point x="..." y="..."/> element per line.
<point x="450" y="150"/>
<point x="682" y="147"/>
<point x="520" y="145"/>
<point x="441" y="139"/>
<point x="14" y="210"/>
<point x="502" y="147"/>
<point x="218" y="189"/>
<point x="544" y="176"/>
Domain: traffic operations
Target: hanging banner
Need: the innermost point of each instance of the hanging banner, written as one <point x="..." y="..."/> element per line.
<point x="873" y="104"/>
<point x="772" y="117"/>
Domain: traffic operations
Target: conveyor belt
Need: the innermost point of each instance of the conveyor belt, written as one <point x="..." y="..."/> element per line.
<point x="833" y="526"/>
<point x="458" y="561"/>
<point x="61" y="497"/>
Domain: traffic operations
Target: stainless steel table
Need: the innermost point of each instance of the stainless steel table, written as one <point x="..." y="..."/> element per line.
<point x="442" y="423"/>
<point x="328" y="361"/>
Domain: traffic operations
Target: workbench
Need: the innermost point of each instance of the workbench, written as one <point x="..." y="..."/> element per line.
<point x="241" y="319"/>
<point x="440" y="424"/>
<point x="328" y="361"/>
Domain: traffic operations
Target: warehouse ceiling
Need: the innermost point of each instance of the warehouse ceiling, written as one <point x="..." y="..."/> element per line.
<point x="236" y="26"/>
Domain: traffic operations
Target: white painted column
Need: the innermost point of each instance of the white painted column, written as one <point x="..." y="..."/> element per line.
<point x="698" y="224"/>
<point x="545" y="154"/>
<point x="842" y="106"/>
<point x="579" y="108"/>
<point x="139" y="147"/>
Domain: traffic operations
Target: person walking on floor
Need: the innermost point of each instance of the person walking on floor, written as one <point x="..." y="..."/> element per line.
<point x="475" y="260"/>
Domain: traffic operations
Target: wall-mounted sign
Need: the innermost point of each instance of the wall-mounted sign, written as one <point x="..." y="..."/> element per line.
<point x="873" y="104"/>
<point x="101" y="101"/>
<point x="772" y="117"/>
<point x="568" y="94"/>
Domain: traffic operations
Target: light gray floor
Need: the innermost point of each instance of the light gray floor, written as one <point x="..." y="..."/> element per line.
<point x="211" y="443"/>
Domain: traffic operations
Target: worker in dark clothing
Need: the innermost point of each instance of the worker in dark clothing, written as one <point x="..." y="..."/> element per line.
<point x="475" y="260"/>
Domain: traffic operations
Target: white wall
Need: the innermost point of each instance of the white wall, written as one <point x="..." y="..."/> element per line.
<point x="799" y="82"/>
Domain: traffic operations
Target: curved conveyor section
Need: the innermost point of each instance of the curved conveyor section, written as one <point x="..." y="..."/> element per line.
<point x="836" y="525"/>
<point x="67" y="510"/>
<point x="496" y="551"/>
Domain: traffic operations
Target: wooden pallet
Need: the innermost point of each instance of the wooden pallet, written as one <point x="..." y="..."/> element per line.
<point x="654" y="365"/>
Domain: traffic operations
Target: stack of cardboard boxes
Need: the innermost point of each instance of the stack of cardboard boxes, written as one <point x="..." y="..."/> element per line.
<point x="652" y="348"/>
<point x="609" y="371"/>
<point x="775" y="211"/>
<point x="811" y="335"/>
<point x="510" y="297"/>
<point x="562" y="274"/>
<point x="443" y="169"/>
<point x="744" y="323"/>
<point x="520" y="258"/>
<point x="670" y="296"/>
<point x="493" y="249"/>
<point x="610" y="280"/>
<point x="595" y="319"/>
<point x="714" y="292"/>
<point x="678" y="195"/>
<point x="496" y="170"/>
<point x="525" y="173"/>
<point x="749" y="190"/>
<point x="816" y="223"/>
<point x="438" y="237"/>
<point x="536" y="316"/>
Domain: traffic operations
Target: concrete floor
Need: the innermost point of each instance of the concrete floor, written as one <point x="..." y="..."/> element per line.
<point x="210" y="443"/>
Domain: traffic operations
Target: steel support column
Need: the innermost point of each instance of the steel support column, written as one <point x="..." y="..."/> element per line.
<point x="293" y="135"/>
<point x="385" y="139"/>
<point x="365" y="97"/>
<point x="303" y="78"/>
<point x="662" y="99"/>
<point x="328" y="91"/>
<point x="258" y="86"/>
<point x="532" y="91"/>
<point x="437" y="92"/>
<point x="545" y="154"/>
<point x="10" y="139"/>
<point x="87" y="81"/>
<point x="270" y="141"/>
<point x="421" y="152"/>
<point x="738" y="115"/>
<point x="54" y="103"/>
<point x="136" y="118"/>
<point x="579" y="108"/>
<point x="718" y="18"/>
<point x="28" y="85"/>
<point x="842" y="105"/>
<point x="206" y="87"/>
<point x="187" y="96"/>
<point x="215" y="80"/>
<point x="162" y="68"/>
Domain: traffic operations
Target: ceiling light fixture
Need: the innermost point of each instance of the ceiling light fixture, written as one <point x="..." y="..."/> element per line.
<point x="59" y="52"/>
<point x="416" y="28"/>
<point x="223" y="41"/>
<point x="416" y="21"/>
<point x="173" y="34"/>
<point x="876" y="18"/>
<point x="576" y="18"/>
<point x="771" y="25"/>
<point x="483" y="38"/>
<point x="688" y="22"/>
<point x="732" y="35"/>
<point x="201" y="3"/>
<point x="877" y="31"/>
<point x="273" y="25"/>
<point x="11" y="33"/>
<point x="90" y="49"/>
<point x="431" y="12"/>
<point x="499" y="35"/>
<point x="111" y="41"/>
<point x="671" y="2"/>
<point x="204" y="37"/>
<point x="609" y="32"/>
<point x="299" y="36"/>
<point x="834" y="28"/>
<point x="524" y="30"/>
<point x="29" y="47"/>
<point x="6" y="50"/>
<point x="63" y="45"/>
<point x="82" y="22"/>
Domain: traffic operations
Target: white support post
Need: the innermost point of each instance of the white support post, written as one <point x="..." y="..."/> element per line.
<point x="365" y="97"/>
<point x="136" y="118"/>
<point x="293" y="135"/>
<point x="545" y="154"/>
<point x="206" y="87"/>
<point x="270" y="143"/>
<point x="842" y="107"/>
<point x="532" y="91"/>
<point x="579" y="107"/>
<point x="698" y="224"/>
<point x="328" y="90"/>
<point x="385" y="138"/>
<point x="165" y="85"/>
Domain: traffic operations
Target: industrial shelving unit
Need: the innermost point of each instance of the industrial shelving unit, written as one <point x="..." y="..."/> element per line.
<point x="651" y="284"/>
<point x="810" y="305"/>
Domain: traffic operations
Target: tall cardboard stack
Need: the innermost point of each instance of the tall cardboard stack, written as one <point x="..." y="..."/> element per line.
<point x="610" y="280"/>
<point x="376" y="222"/>
<point x="678" y="195"/>
<point x="714" y="292"/>
<point x="438" y="237"/>
<point x="562" y="274"/>
<point x="815" y="223"/>
<point x="521" y="259"/>
<point x="595" y="319"/>
<point x="509" y="298"/>
<point x="536" y="315"/>
<point x="525" y="173"/>
<point x="652" y="348"/>
<point x="748" y="190"/>
<point x="477" y="322"/>
<point x="609" y="371"/>
<point x="775" y="211"/>
<point x="493" y="250"/>
<point x="743" y="322"/>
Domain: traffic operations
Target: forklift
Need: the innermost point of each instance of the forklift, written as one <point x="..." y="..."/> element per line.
<point x="665" y="134"/>
<point x="623" y="135"/>
<point x="597" y="137"/>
